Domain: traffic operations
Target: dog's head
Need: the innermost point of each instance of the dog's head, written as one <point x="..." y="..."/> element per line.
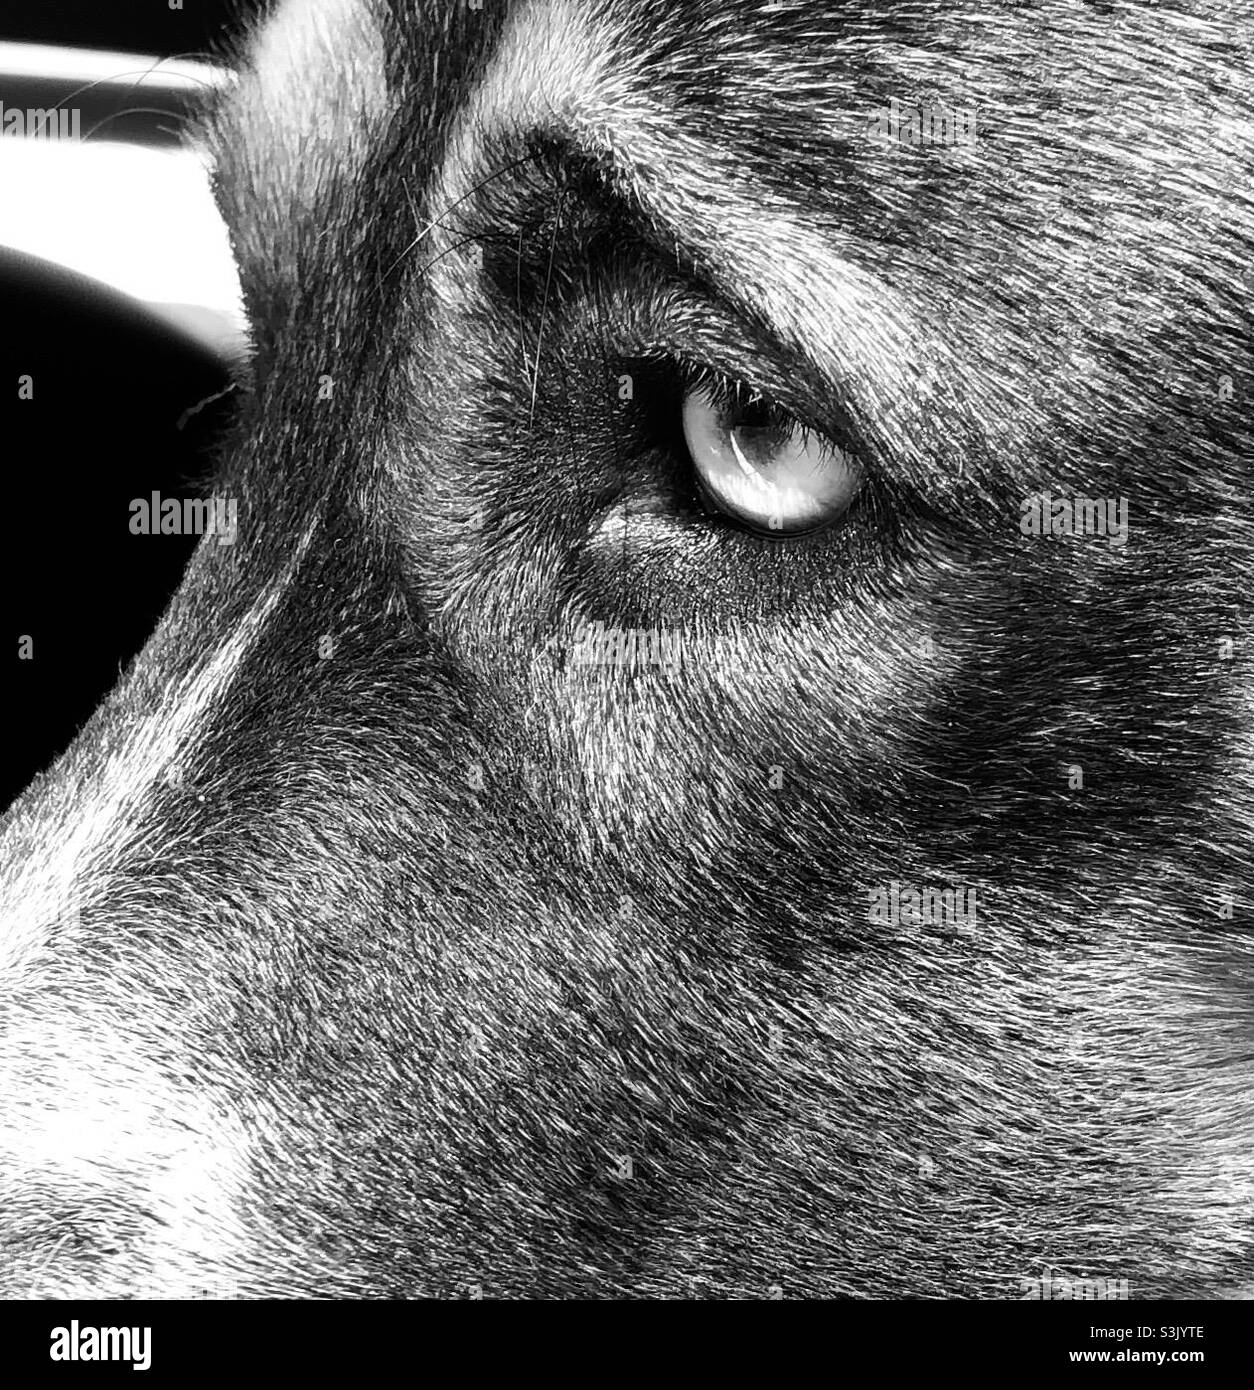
<point x="719" y="759"/>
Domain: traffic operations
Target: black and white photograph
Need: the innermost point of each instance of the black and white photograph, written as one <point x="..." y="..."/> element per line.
<point x="629" y="670"/>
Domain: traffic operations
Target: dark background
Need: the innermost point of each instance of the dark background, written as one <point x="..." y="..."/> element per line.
<point x="139" y="26"/>
<point x="111" y="383"/>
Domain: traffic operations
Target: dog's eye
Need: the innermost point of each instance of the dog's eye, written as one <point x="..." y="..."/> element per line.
<point x="760" y="465"/>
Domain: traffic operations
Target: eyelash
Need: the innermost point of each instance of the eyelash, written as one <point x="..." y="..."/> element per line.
<point x="734" y="393"/>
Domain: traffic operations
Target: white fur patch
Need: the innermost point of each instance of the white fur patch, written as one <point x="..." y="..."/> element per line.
<point x="159" y="1171"/>
<point x="316" y="82"/>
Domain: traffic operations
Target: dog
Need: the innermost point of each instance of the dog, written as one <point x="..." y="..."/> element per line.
<point x="718" y="762"/>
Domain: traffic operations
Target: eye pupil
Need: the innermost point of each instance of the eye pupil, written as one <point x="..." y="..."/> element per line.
<point x="758" y="425"/>
<point x="758" y="413"/>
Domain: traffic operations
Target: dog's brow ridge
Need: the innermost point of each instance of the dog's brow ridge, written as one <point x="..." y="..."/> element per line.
<point x="552" y="77"/>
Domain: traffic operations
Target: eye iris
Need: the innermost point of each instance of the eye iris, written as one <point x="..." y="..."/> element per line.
<point x="758" y="464"/>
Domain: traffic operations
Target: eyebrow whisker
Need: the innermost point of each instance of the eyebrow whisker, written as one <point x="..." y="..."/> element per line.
<point x="544" y="308"/>
<point x="470" y="192"/>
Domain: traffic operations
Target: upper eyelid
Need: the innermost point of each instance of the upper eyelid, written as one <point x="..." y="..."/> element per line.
<point x="866" y="399"/>
<point x="726" y="387"/>
<point x="587" y="189"/>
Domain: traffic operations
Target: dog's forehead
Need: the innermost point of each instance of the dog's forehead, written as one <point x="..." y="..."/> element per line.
<point x="322" y="79"/>
<point x="780" y="95"/>
<point x="319" y="73"/>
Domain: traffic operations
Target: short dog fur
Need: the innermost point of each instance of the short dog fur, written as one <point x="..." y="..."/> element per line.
<point x="365" y="945"/>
